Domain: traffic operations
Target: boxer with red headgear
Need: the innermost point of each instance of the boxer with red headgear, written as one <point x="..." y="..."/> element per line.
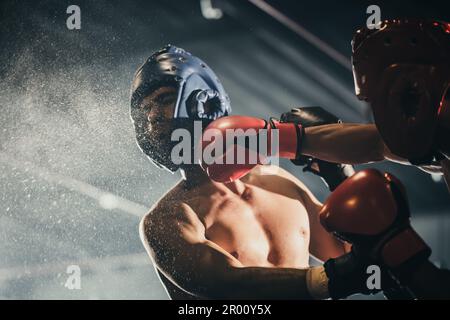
<point x="403" y="71"/>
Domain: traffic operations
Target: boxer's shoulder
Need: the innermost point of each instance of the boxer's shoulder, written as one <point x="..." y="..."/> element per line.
<point x="169" y="208"/>
<point x="171" y="205"/>
<point x="167" y="217"/>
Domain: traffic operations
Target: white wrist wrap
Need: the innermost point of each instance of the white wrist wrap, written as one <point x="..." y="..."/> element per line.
<point x="317" y="283"/>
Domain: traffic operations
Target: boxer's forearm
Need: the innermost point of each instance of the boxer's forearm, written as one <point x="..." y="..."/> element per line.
<point x="430" y="282"/>
<point x="262" y="283"/>
<point x="344" y="143"/>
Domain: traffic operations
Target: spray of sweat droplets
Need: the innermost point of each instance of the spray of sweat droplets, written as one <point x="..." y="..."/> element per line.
<point x="74" y="183"/>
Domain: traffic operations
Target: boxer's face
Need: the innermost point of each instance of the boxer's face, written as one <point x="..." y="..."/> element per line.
<point x="154" y="125"/>
<point x="155" y="113"/>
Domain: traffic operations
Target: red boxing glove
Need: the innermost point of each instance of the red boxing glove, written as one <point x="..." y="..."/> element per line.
<point x="234" y="145"/>
<point x="370" y="210"/>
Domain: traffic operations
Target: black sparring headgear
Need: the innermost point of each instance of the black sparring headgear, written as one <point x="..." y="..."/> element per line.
<point x="196" y="84"/>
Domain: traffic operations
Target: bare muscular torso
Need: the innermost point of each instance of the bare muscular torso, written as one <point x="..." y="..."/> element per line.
<point x="261" y="220"/>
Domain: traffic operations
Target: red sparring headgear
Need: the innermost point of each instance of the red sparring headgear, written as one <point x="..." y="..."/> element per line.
<point x="403" y="70"/>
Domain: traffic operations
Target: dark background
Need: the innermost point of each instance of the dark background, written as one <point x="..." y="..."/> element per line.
<point x="73" y="182"/>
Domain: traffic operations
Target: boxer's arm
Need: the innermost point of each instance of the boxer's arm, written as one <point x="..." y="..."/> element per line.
<point x="430" y="282"/>
<point x="347" y="143"/>
<point x="179" y="248"/>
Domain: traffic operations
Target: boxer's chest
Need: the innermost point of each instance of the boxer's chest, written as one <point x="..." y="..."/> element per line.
<point x="260" y="228"/>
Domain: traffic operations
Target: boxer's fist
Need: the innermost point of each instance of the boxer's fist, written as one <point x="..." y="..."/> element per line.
<point x="370" y="210"/>
<point x="232" y="146"/>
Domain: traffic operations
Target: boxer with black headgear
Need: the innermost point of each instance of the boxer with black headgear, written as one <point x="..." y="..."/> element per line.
<point x="250" y="237"/>
<point x="183" y="80"/>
